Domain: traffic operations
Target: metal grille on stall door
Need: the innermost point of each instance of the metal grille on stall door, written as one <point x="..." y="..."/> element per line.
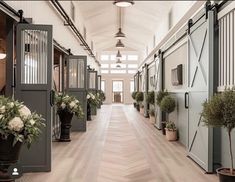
<point x="76" y="73"/>
<point x="226" y="50"/>
<point x="34" y="57"/>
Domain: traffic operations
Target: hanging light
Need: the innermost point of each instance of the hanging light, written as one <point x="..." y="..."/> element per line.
<point x="119" y="44"/>
<point x="118" y="61"/>
<point x="118" y="66"/>
<point x="123" y="3"/>
<point x="120" y="34"/>
<point x="2" y="51"/>
<point x="119" y="55"/>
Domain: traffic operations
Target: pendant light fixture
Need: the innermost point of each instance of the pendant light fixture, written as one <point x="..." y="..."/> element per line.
<point x="119" y="44"/>
<point x="2" y="51"/>
<point x="118" y="66"/>
<point x="123" y="3"/>
<point x="119" y="55"/>
<point x="120" y="34"/>
<point x="118" y="61"/>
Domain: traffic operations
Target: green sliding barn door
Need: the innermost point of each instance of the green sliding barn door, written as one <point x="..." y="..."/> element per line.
<point x="33" y="87"/>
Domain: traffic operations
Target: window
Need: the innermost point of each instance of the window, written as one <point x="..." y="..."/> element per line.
<point x="132" y="57"/>
<point x="132" y="86"/>
<point x="104" y="65"/>
<point x="132" y="65"/>
<point x="103" y="85"/>
<point x="104" y="71"/>
<point x="115" y="65"/>
<point x="72" y="11"/>
<point x="118" y="71"/>
<point x="104" y="57"/>
<point x="132" y="71"/>
<point x="112" y="57"/>
<point x="117" y="86"/>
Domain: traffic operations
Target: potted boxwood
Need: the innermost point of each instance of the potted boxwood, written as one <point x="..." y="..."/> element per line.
<point x="219" y="111"/>
<point x="171" y="131"/>
<point x="152" y="115"/>
<point x="133" y="95"/>
<point x="67" y="106"/>
<point x="92" y="101"/>
<point x="139" y="99"/>
<point x="159" y="97"/>
<point x="168" y="105"/>
<point x="18" y="126"/>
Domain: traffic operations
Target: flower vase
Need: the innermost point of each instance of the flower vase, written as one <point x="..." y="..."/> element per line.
<point x="88" y="112"/>
<point x="9" y="155"/>
<point x="65" y="125"/>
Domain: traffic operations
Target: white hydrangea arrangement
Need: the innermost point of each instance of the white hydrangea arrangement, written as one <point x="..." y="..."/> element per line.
<point x="92" y="99"/>
<point x="17" y="120"/>
<point x="68" y="103"/>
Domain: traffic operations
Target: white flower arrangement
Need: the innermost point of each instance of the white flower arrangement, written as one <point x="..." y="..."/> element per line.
<point x="92" y="99"/>
<point x="68" y="103"/>
<point x="17" y="120"/>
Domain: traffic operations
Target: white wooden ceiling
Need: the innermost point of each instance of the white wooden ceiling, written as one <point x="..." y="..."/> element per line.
<point x="139" y="22"/>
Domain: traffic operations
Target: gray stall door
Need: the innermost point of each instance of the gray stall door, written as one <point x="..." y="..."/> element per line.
<point x="199" y="136"/>
<point x="33" y="87"/>
<point x="93" y="86"/>
<point x="76" y="86"/>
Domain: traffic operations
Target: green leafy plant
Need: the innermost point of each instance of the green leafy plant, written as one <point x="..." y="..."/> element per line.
<point x="17" y="120"/>
<point x="139" y="97"/>
<point x="152" y="112"/>
<point x="160" y="96"/>
<point x="219" y="111"/>
<point x="170" y="126"/>
<point x="92" y="99"/>
<point x="150" y="98"/>
<point x="167" y="104"/>
<point x="102" y="96"/>
<point x="133" y="95"/>
<point x="64" y="101"/>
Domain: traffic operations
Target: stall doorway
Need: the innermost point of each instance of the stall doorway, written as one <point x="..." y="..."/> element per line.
<point x="117" y="91"/>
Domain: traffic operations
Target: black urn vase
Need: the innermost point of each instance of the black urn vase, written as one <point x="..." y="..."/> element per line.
<point x="88" y="112"/>
<point x="9" y="155"/>
<point x="65" y="125"/>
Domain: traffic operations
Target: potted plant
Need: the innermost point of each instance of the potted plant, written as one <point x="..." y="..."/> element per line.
<point x="152" y="115"/>
<point x="219" y="111"/>
<point x="67" y="106"/>
<point x="18" y="126"/>
<point x="133" y="95"/>
<point x="92" y="101"/>
<point x="159" y="97"/>
<point x="168" y="105"/>
<point x="139" y="99"/>
<point x="171" y="131"/>
<point x="102" y="96"/>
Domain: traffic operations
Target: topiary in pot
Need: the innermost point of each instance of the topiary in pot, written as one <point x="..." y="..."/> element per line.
<point x="168" y="105"/>
<point x="171" y="131"/>
<point x="219" y="111"/>
<point x="150" y="98"/>
<point x="133" y="94"/>
<point x="139" y="97"/>
<point x="160" y="96"/>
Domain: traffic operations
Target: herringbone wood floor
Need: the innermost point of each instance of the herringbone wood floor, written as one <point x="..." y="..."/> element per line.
<point x="120" y="146"/>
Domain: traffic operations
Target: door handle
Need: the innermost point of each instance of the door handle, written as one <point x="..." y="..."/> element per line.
<point x="52" y="97"/>
<point x="186" y="100"/>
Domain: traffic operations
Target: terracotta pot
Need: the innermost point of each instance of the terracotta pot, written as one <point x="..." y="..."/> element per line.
<point x="142" y="111"/>
<point x="225" y="176"/>
<point x="65" y="125"/>
<point x="171" y="135"/>
<point x="152" y="119"/>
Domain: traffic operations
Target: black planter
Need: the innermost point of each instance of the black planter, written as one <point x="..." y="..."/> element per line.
<point x="134" y="105"/>
<point x="9" y="155"/>
<point x="138" y="107"/>
<point x="65" y="125"/>
<point x="88" y="112"/>
<point x="224" y="175"/>
<point x="163" y="127"/>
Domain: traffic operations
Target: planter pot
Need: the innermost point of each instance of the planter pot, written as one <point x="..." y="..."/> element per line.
<point x="163" y="127"/>
<point x="88" y="112"/>
<point x="142" y="111"/>
<point x="65" y="125"/>
<point x="225" y="176"/>
<point x="9" y="155"/>
<point x="171" y="135"/>
<point x="134" y="105"/>
<point x="137" y="107"/>
<point x="152" y="119"/>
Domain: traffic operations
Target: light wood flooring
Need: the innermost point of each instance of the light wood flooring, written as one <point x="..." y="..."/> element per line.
<point x="120" y="145"/>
